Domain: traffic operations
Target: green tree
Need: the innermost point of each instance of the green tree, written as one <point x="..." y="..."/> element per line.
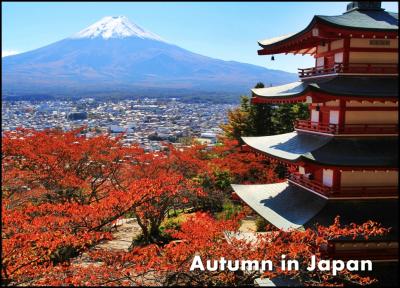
<point x="240" y="121"/>
<point x="259" y="85"/>
<point x="284" y="115"/>
<point x="262" y="119"/>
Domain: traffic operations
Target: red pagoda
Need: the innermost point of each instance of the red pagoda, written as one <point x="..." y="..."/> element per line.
<point x="345" y="157"/>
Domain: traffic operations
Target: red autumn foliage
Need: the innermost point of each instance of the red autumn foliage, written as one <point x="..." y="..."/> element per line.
<point x="204" y="236"/>
<point x="62" y="193"/>
<point x="210" y="239"/>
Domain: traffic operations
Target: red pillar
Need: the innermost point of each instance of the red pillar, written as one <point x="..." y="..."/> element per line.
<point x="346" y="53"/>
<point x="336" y="179"/>
<point x="342" y="114"/>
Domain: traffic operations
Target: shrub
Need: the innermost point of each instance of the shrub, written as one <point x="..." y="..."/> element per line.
<point x="261" y="224"/>
<point x="228" y="210"/>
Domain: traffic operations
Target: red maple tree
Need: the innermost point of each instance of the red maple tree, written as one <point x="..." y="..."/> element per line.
<point x="62" y="193"/>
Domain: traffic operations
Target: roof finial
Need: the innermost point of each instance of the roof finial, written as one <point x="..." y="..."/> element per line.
<point x="365" y="5"/>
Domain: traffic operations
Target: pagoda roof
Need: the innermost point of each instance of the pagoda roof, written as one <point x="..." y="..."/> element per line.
<point x="284" y="206"/>
<point x="331" y="151"/>
<point x="365" y="20"/>
<point x="362" y="20"/>
<point x="290" y="207"/>
<point x="341" y="86"/>
<point x="290" y="90"/>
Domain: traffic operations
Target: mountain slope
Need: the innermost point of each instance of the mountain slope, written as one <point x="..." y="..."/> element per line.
<point x="116" y="55"/>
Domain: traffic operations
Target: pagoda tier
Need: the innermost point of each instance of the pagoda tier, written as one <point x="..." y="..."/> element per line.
<point x="378" y="89"/>
<point x="335" y="168"/>
<point x="363" y="40"/>
<point x="341" y="105"/>
<point x="287" y="207"/>
<point x="353" y="24"/>
<point x="370" y="152"/>
<point x="363" y="23"/>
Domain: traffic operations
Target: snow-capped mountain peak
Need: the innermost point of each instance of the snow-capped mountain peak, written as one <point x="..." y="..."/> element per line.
<point x="115" y="27"/>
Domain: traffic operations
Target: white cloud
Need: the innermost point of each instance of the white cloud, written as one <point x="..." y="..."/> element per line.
<point x="5" y="53"/>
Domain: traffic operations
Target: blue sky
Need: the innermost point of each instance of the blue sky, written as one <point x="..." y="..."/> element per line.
<point x="224" y="30"/>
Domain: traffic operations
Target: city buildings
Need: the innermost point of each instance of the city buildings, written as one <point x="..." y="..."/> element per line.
<point x="148" y="122"/>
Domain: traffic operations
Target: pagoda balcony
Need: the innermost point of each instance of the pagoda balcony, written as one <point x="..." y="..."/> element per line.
<point x="335" y="129"/>
<point x="372" y="249"/>
<point x="343" y="192"/>
<point x="351" y="68"/>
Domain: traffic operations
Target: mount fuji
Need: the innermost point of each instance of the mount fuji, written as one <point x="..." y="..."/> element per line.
<point x="115" y="57"/>
<point x="115" y="27"/>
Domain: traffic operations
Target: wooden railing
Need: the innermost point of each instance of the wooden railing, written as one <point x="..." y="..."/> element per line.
<point x="362" y="68"/>
<point x="315" y="71"/>
<point x="368" y="191"/>
<point x="316" y="126"/>
<point x="369" y="129"/>
<point x="348" y="249"/>
<point x="373" y="68"/>
<point x="353" y="191"/>
<point x="347" y="128"/>
<point x="311" y="184"/>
